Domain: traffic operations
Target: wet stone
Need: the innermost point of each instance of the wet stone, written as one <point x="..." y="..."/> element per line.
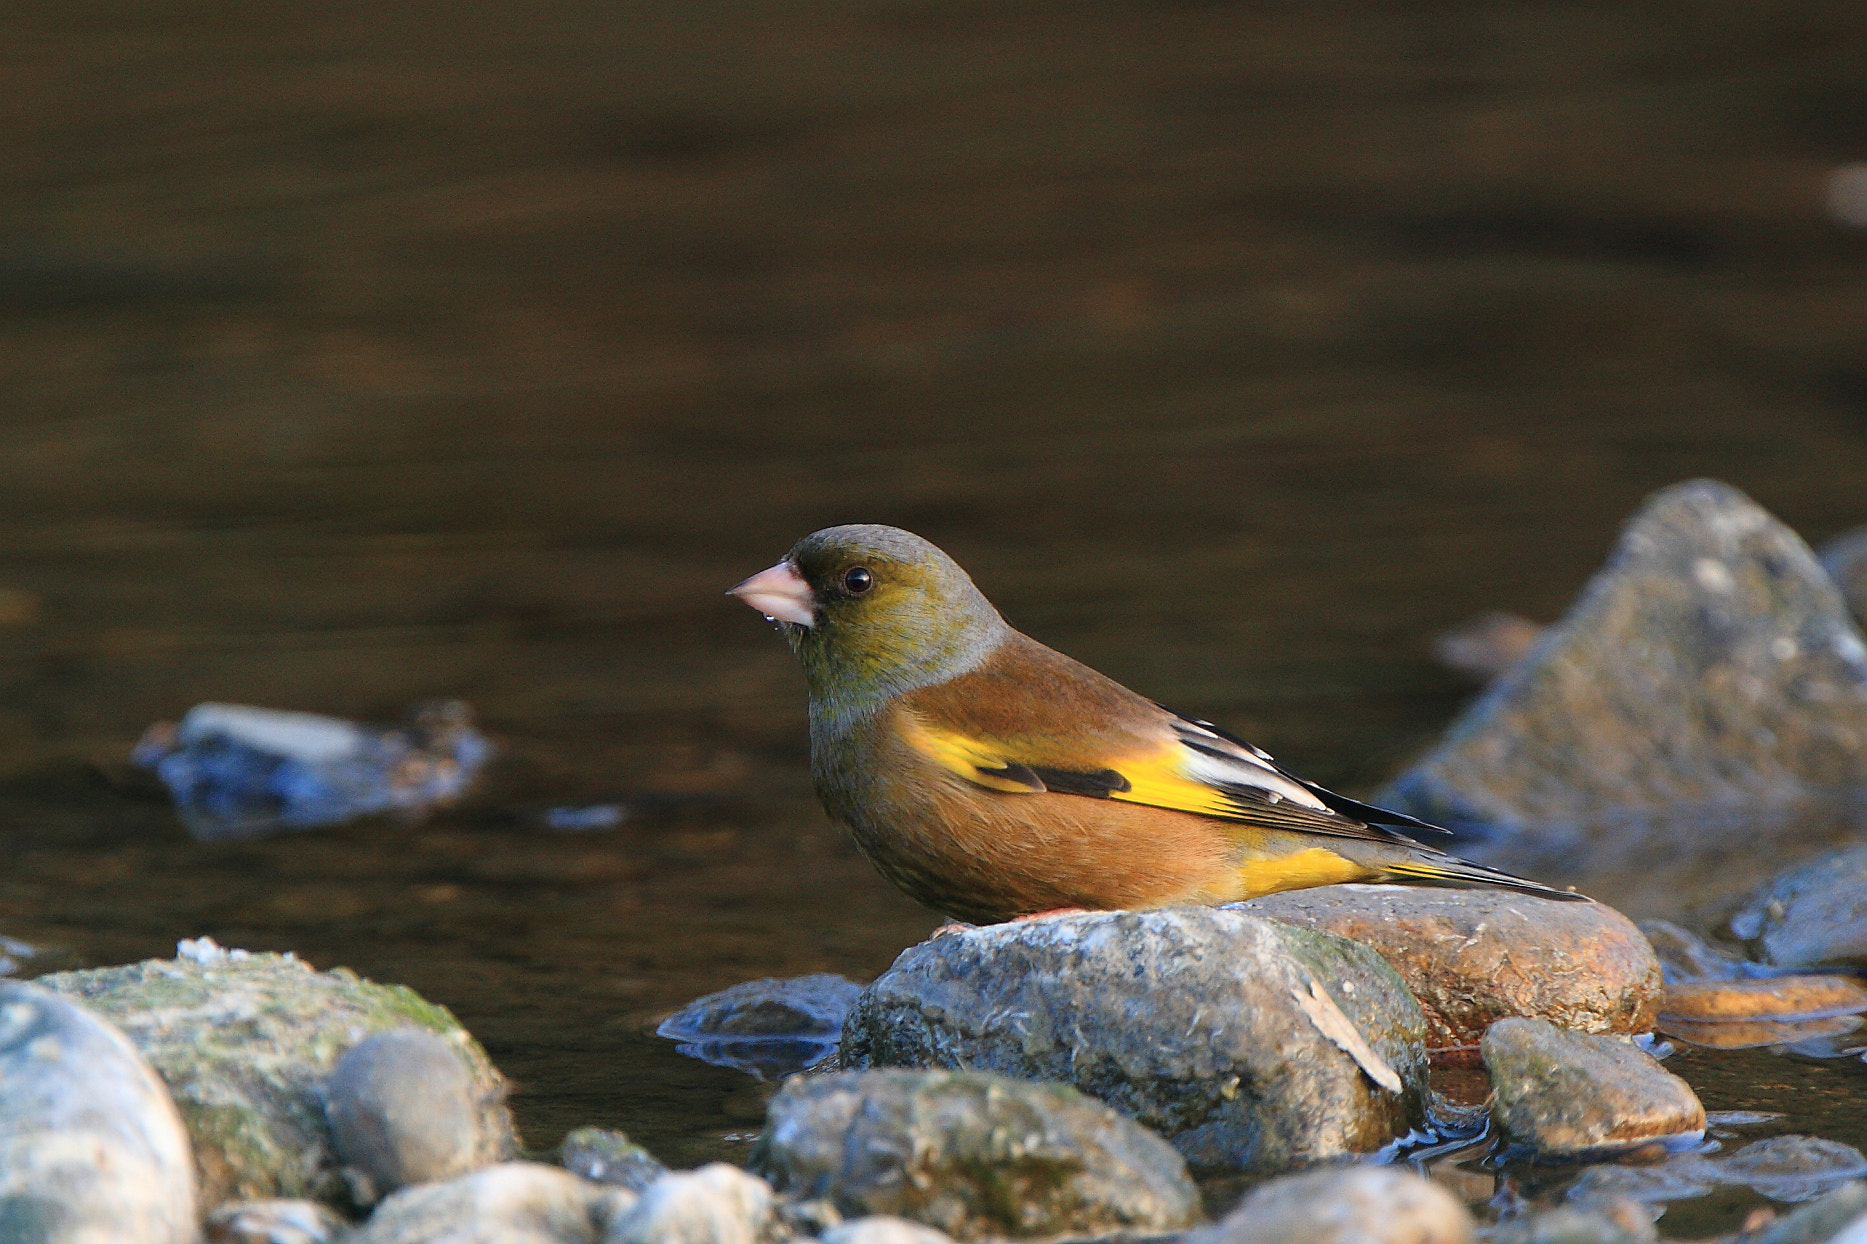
<point x="1710" y="673"/>
<point x="274" y="1222"/>
<point x="91" y="1147"/>
<point x="769" y="1028"/>
<point x="1565" y="1094"/>
<point x="1287" y="1045"/>
<point x="1472" y="957"/>
<point x="1811" y="915"/>
<point x="977" y="1156"/>
<point x="1346" y="1205"/>
<point x="246" y="1043"/>
<point x="1783" y="1168"/>
<point x="717" y="1204"/>
<point x="1837" y="1218"/>
<point x="605" y="1156"/>
<point x="402" y="1110"/>
<point x="511" y="1203"/>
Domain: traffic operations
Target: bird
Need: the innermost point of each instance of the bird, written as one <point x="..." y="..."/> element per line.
<point x="991" y="778"/>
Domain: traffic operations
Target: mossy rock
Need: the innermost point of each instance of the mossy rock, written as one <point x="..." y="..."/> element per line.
<point x="245" y="1041"/>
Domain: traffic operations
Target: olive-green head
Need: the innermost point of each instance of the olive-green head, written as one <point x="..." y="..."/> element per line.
<point x="874" y="611"/>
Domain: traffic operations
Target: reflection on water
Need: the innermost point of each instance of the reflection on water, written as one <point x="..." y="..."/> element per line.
<point x="357" y="355"/>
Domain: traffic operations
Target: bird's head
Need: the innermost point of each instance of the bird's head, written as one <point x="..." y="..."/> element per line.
<point x="874" y="611"/>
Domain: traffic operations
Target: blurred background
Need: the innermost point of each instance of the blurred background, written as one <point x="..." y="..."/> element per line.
<point x="355" y="353"/>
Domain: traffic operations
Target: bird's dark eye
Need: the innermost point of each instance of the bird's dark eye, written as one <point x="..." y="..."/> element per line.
<point x="857" y="580"/>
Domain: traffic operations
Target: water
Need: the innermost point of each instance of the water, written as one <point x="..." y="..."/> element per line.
<point x="354" y="355"/>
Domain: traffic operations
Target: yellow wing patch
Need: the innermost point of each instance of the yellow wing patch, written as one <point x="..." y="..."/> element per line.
<point x="978" y="764"/>
<point x="1157" y="781"/>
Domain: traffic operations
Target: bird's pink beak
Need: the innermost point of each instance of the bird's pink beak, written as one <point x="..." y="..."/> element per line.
<point x="779" y="593"/>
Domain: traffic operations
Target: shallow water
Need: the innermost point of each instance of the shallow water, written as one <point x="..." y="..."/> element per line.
<point x="357" y="354"/>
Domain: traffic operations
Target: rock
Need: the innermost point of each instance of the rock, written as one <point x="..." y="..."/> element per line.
<point x="976" y="1155"/>
<point x="1251" y="1044"/>
<point x="1837" y="1218"/>
<point x="245" y="1043"/>
<point x="1475" y="956"/>
<point x="91" y="1148"/>
<point x="1344" y="1205"/>
<point x="717" y="1204"/>
<point x="1686" y="958"/>
<point x="605" y="1156"/>
<point x="884" y="1229"/>
<point x="1811" y="915"/>
<point x="770" y="1028"/>
<point x="403" y="1110"/>
<point x="236" y="771"/>
<point x="1484" y="647"/>
<point x="1569" y="1225"/>
<point x="1568" y="1094"/>
<point x="1675" y="725"/>
<point x="1785" y="998"/>
<point x="273" y="1222"/>
<point x="511" y="1203"/>
<point x="1782" y="1168"/>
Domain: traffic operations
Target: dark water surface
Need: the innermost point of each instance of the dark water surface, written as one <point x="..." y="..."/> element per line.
<point x="358" y="353"/>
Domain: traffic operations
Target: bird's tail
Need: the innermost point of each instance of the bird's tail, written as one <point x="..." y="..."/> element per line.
<point x="1446" y="870"/>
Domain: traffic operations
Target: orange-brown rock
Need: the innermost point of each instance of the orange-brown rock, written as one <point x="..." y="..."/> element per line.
<point x="1786" y="998"/>
<point x="1476" y="956"/>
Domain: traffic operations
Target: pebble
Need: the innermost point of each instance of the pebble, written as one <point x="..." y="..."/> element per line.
<point x="246" y="1042"/>
<point x="976" y="1155"/>
<point x="605" y="1156"/>
<point x="1709" y="677"/>
<point x="769" y="1028"/>
<point x="717" y="1204"/>
<point x="1565" y="1094"/>
<point x="91" y="1146"/>
<point x="1249" y="1043"/>
<point x="884" y="1229"/>
<point x="274" y="1222"/>
<point x="1472" y="957"/>
<point x="1812" y="915"/>
<point x="1344" y="1205"/>
<point x="402" y="1111"/>
<point x="511" y="1203"/>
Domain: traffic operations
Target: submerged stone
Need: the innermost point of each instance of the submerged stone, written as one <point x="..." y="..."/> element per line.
<point x="977" y="1156"/>
<point x="1249" y="1043"/>
<point x="1472" y="957"/>
<point x="1708" y="682"/>
<point x="1686" y="958"/>
<point x="1565" y="1094"/>
<point x="91" y="1147"/>
<point x="1811" y="915"/>
<point x="769" y="1028"/>
<point x="1351" y="1205"/>
<point x="245" y="1042"/>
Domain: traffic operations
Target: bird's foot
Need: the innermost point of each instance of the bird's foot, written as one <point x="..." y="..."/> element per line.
<point x="1054" y="911"/>
<point x="949" y="928"/>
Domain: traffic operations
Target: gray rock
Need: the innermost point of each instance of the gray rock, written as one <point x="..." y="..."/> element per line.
<point x="1249" y="1043"/>
<point x="770" y="1028"/>
<point x="605" y="1156"/>
<point x="1568" y="1094"/>
<point x="978" y="1156"/>
<point x="1472" y="957"/>
<point x="1348" y="1205"/>
<point x="1841" y="1213"/>
<point x="511" y="1203"/>
<point x="91" y="1148"/>
<point x="245" y="1043"/>
<point x="1675" y="724"/>
<point x="1618" y="1224"/>
<point x="1812" y="914"/>
<point x="884" y="1229"/>
<point x="403" y="1110"/>
<point x="717" y="1204"/>
<point x="274" y="1222"/>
